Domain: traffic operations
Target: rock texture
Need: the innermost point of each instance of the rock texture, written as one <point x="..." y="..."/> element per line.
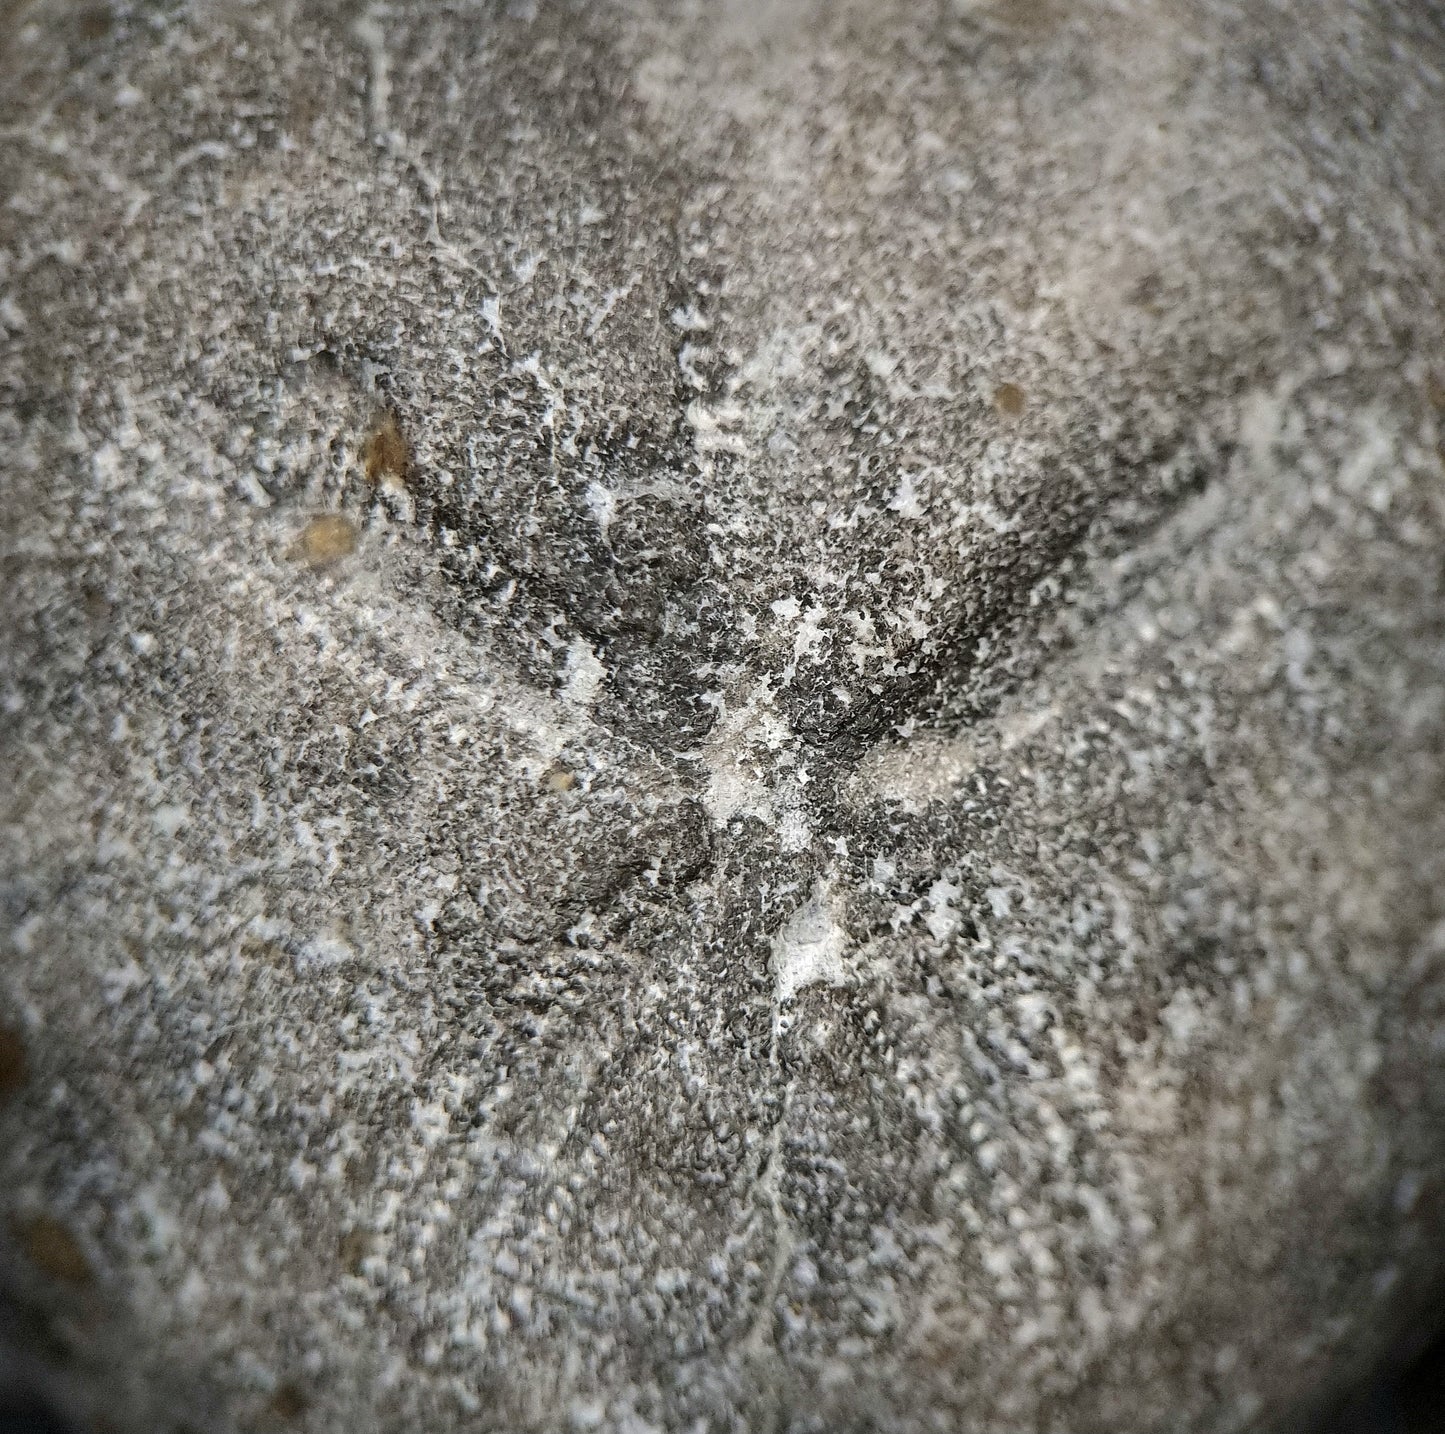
<point x="721" y="717"/>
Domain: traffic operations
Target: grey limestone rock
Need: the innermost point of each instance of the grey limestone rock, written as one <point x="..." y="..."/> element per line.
<point x="721" y="717"/>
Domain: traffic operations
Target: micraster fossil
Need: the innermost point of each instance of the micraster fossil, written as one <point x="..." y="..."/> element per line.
<point x="720" y="717"/>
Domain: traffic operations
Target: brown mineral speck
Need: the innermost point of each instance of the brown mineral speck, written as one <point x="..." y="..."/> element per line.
<point x="288" y="1402"/>
<point x="97" y="605"/>
<point x="1008" y="399"/>
<point x="1435" y="391"/>
<point x="559" y="779"/>
<point x="94" y="23"/>
<point x="353" y="1247"/>
<point x="326" y="540"/>
<point x="52" y="1249"/>
<point x="386" y="455"/>
<point x="12" y="1062"/>
<point x="269" y="952"/>
<point x="1026" y="14"/>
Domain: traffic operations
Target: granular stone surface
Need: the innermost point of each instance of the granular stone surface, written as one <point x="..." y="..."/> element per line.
<point x="720" y="717"/>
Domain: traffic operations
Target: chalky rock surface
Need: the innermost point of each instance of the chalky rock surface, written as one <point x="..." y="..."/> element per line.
<point x="721" y="717"/>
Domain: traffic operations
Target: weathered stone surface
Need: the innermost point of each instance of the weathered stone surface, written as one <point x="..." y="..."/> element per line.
<point x="721" y="717"/>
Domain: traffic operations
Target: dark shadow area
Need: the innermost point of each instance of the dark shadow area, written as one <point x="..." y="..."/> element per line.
<point x="1410" y="1401"/>
<point x="29" y="1416"/>
<point x="1407" y="1401"/>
